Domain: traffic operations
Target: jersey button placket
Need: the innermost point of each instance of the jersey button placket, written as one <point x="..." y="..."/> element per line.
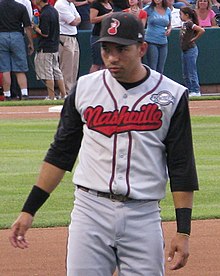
<point x="124" y="99"/>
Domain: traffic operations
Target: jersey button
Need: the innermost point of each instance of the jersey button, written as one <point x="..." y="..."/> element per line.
<point x="125" y="96"/>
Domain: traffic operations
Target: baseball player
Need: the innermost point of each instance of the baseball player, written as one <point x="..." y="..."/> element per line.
<point x="131" y="127"/>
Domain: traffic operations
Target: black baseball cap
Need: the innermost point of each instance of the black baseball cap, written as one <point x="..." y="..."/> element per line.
<point x="121" y="28"/>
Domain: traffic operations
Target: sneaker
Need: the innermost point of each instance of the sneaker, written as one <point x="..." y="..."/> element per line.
<point x="63" y="98"/>
<point x="47" y="99"/>
<point x="24" y="97"/>
<point x="194" y="94"/>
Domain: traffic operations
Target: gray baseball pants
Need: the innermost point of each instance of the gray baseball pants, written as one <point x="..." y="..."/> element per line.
<point x="106" y="234"/>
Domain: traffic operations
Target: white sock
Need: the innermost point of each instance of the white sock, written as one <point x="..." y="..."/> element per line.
<point x="7" y="93"/>
<point x="24" y="92"/>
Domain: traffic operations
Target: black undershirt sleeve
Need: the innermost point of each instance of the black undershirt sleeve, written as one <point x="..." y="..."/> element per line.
<point x="64" y="150"/>
<point x="179" y="147"/>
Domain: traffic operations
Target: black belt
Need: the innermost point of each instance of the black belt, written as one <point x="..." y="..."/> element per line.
<point x="69" y="35"/>
<point x="45" y="51"/>
<point x="113" y="197"/>
<point x="41" y="50"/>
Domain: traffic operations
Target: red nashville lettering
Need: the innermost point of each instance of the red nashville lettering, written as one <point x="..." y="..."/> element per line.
<point x="112" y="122"/>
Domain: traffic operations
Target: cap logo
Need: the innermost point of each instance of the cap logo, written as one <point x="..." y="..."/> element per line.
<point x="114" y="27"/>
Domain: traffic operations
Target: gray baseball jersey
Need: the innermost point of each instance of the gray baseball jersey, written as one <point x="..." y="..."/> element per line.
<point x="130" y="143"/>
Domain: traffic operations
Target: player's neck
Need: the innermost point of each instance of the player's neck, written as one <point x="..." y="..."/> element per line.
<point x="140" y="74"/>
<point x="131" y="84"/>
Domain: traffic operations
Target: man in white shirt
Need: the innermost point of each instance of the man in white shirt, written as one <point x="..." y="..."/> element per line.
<point x="175" y="15"/>
<point x="27" y="4"/>
<point x="69" y="18"/>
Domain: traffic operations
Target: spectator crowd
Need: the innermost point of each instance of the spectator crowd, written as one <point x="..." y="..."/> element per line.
<point x="57" y="54"/>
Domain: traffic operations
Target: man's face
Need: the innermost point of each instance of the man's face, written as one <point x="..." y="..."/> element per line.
<point x="122" y="61"/>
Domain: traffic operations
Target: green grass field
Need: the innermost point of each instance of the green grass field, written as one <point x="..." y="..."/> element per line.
<point x="24" y="144"/>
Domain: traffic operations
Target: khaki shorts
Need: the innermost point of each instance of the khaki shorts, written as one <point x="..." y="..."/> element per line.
<point x="47" y="66"/>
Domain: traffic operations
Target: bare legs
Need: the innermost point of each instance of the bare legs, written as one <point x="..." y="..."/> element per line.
<point x="61" y="87"/>
<point x="22" y="82"/>
<point x="50" y="88"/>
<point x="6" y="81"/>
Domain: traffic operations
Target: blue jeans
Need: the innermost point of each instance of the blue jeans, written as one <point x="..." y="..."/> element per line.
<point x="156" y="56"/>
<point x="189" y="69"/>
<point x="13" y="55"/>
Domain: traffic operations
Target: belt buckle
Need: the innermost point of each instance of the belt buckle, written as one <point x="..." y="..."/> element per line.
<point x="112" y="197"/>
<point x="120" y="198"/>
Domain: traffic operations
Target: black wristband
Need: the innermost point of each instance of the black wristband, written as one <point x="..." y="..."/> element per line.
<point x="183" y="220"/>
<point x="35" y="200"/>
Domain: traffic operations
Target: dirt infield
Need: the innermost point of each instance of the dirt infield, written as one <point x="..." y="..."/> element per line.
<point x="46" y="253"/>
<point x="209" y="108"/>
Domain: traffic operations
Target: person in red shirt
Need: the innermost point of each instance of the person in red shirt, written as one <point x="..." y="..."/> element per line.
<point x="51" y="2"/>
<point x="137" y="11"/>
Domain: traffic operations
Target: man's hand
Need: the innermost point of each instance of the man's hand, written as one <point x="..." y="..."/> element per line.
<point x="168" y="31"/>
<point x="28" y="31"/>
<point x="179" y="251"/>
<point x="30" y="49"/>
<point x="19" y="229"/>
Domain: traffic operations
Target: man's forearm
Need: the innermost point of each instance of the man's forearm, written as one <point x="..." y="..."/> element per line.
<point x="49" y="177"/>
<point x="76" y="21"/>
<point x="28" y="31"/>
<point x="183" y="199"/>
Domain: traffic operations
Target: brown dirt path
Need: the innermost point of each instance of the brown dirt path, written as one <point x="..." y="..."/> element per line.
<point x="27" y="112"/>
<point x="205" y="108"/>
<point x="209" y="108"/>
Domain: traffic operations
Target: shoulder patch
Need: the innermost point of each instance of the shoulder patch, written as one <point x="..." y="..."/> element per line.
<point x="164" y="97"/>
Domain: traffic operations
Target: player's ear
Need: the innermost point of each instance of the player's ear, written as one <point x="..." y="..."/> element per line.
<point x="143" y="48"/>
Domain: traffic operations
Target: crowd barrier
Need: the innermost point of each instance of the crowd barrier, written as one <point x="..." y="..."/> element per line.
<point x="208" y="60"/>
